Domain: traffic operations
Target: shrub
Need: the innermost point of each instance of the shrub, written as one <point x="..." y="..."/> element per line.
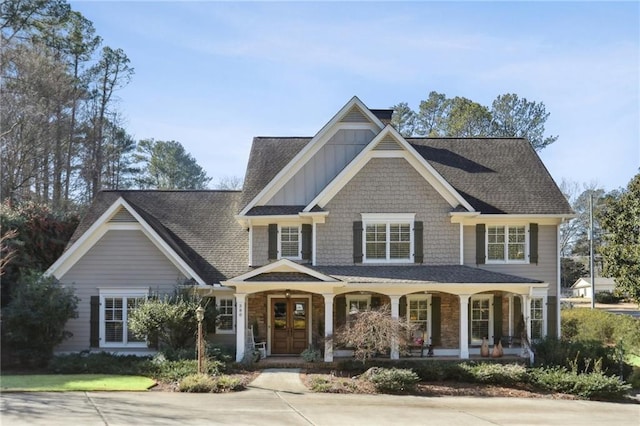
<point x="496" y="374"/>
<point x="370" y="333"/>
<point x="97" y="363"/>
<point x="592" y="385"/>
<point x="634" y="378"/>
<point x="173" y="371"/>
<point x="605" y="327"/>
<point x="170" y="321"/>
<point x="197" y="383"/>
<point x="393" y="379"/>
<point x="578" y="356"/>
<point x="311" y="355"/>
<point x="607" y="297"/>
<point x="228" y="383"/>
<point x="33" y="321"/>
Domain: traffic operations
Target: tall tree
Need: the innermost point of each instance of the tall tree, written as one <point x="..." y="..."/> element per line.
<point x="520" y="118"/>
<point x="620" y="218"/>
<point x="509" y="116"/>
<point x="25" y="16"/>
<point x="403" y="119"/>
<point x="166" y="165"/>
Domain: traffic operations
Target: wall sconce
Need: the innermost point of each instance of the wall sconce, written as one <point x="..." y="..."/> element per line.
<point x="287" y="293"/>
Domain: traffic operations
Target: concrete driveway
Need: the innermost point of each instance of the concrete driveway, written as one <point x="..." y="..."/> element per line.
<point x="268" y="407"/>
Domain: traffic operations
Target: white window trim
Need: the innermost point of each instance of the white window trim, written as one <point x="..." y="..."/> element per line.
<point x="506" y="244"/>
<point x="233" y="314"/>
<point x="357" y="297"/>
<point x="388" y="219"/>
<point x="119" y="293"/>
<point x="291" y="225"/>
<point x="426" y="297"/>
<point x="490" y="327"/>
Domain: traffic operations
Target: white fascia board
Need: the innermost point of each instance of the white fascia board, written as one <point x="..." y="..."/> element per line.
<point x="282" y="265"/>
<point x="84" y="243"/>
<point x="101" y="226"/>
<point x="302" y="217"/>
<point x="542" y="219"/>
<point x="309" y="150"/>
<point x="409" y="154"/>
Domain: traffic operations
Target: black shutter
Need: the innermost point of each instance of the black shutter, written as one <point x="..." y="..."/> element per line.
<point x="480" y="238"/>
<point x="552" y="316"/>
<point x="341" y="311"/>
<point x="94" y="322"/>
<point x="436" y="321"/>
<point x="273" y="241"/>
<point x="418" y="243"/>
<point x="402" y="308"/>
<point x="497" y="319"/>
<point x="306" y="241"/>
<point x="533" y="243"/>
<point x="517" y="316"/>
<point x="375" y="302"/>
<point x="357" y="242"/>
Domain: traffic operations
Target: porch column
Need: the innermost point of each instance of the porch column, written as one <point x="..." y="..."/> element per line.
<point x="395" y="314"/>
<point x="241" y="325"/>
<point x="464" y="325"/>
<point x="526" y="311"/>
<point x="328" y="327"/>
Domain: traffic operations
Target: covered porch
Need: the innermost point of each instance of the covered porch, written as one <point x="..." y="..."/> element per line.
<point x="291" y="311"/>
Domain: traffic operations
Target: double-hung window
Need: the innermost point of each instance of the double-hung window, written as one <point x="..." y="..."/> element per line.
<point x="507" y="244"/>
<point x="225" y="320"/>
<point x="537" y="318"/>
<point x="481" y="318"/>
<point x="418" y="315"/>
<point x="115" y="307"/>
<point x="289" y="238"/>
<point x="357" y="303"/>
<point x="388" y="237"/>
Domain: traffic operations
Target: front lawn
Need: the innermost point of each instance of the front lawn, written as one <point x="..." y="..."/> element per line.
<point x="74" y="382"/>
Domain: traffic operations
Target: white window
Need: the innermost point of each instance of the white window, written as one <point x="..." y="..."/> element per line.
<point x="387" y="237"/>
<point x="481" y="318"/>
<point x="419" y="314"/>
<point x="507" y="244"/>
<point x="358" y="303"/>
<point x="289" y="241"/>
<point x="537" y="318"/>
<point x="115" y="307"/>
<point x="226" y="317"/>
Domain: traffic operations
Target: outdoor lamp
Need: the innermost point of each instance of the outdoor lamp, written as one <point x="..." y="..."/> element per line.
<point x="200" y="313"/>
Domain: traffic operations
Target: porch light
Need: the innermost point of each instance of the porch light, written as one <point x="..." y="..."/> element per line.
<point x="200" y="314"/>
<point x="287" y="293"/>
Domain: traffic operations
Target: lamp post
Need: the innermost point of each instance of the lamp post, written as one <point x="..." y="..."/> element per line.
<point x="200" y="317"/>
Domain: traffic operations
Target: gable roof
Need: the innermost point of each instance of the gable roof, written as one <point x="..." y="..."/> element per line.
<point x="494" y="175"/>
<point x="199" y="226"/>
<point x="390" y="143"/>
<point x="353" y="113"/>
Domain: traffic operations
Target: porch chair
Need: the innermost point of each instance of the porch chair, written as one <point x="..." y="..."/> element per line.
<point x="261" y="347"/>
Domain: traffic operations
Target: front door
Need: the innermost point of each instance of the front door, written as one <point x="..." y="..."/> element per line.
<point x="289" y="325"/>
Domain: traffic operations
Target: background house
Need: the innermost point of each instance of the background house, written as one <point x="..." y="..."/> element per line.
<point x="582" y="287"/>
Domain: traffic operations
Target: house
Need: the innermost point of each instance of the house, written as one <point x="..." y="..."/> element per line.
<point x="459" y="236"/>
<point x="582" y="287"/>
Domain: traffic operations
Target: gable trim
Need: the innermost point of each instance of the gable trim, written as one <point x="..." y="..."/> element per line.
<point x="312" y="148"/>
<point x="408" y="153"/>
<point x="100" y="227"/>
<point x="282" y="265"/>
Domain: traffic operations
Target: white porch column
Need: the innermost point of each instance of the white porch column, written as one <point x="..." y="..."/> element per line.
<point x="526" y="312"/>
<point x="464" y="325"/>
<point x="328" y="327"/>
<point x="395" y="314"/>
<point x="241" y="325"/>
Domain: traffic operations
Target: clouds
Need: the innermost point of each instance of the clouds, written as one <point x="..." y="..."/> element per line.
<point x="214" y="74"/>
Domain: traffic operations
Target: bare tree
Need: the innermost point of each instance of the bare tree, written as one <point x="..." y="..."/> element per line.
<point x="229" y="182"/>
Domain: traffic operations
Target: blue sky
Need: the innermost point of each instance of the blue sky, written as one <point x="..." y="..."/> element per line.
<point x="212" y="75"/>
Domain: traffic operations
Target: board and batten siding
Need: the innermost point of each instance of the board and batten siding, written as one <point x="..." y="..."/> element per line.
<point x="322" y="167"/>
<point x="545" y="270"/>
<point x="388" y="185"/>
<point x="120" y="259"/>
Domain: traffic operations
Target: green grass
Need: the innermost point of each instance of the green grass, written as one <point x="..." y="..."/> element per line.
<point x="634" y="360"/>
<point x="73" y="382"/>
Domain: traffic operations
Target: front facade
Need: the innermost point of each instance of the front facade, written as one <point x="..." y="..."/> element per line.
<point x="459" y="236"/>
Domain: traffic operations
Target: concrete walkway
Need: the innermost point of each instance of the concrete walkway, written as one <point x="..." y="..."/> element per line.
<point x="279" y="380"/>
